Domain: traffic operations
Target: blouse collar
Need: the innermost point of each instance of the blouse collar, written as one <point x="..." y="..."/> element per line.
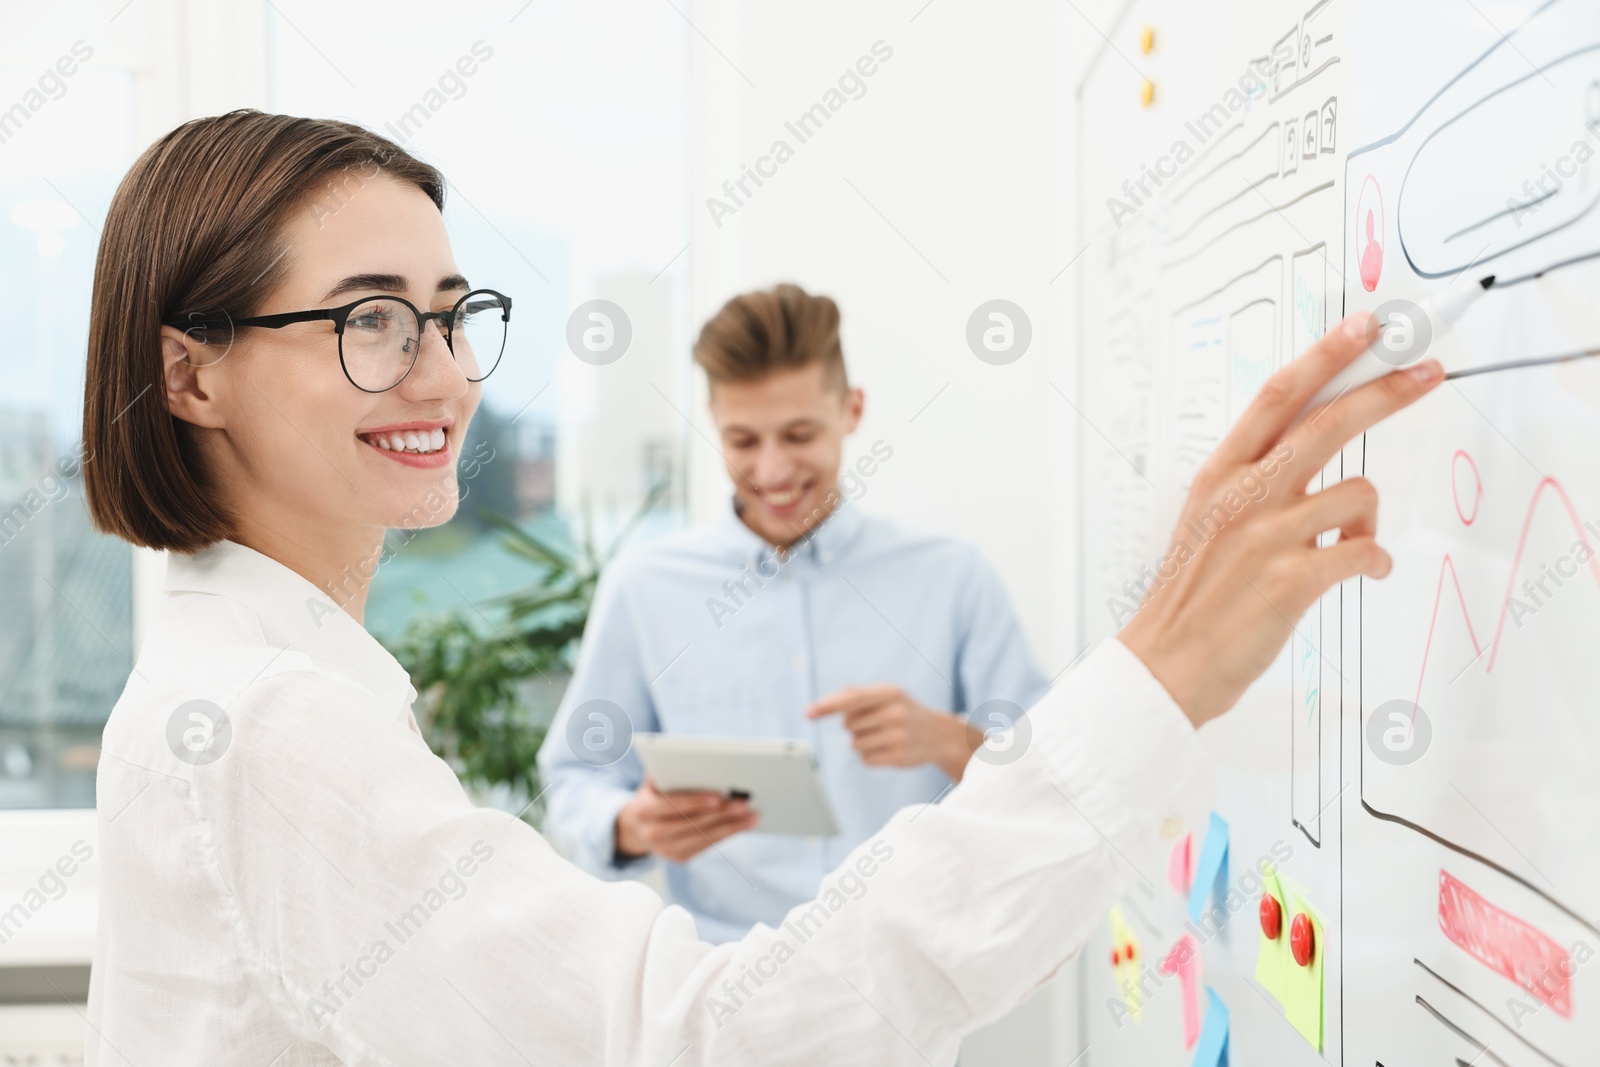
<point x="295" y="615"/>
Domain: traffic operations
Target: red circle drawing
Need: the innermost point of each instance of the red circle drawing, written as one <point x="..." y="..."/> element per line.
<point x="1369" y="233"/>
<point x="1455" y="486"/>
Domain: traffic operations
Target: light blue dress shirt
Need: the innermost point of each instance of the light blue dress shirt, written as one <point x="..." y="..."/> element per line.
<point x="707" y="632"/>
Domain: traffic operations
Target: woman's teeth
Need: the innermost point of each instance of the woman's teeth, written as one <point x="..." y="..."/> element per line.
<point x="418" y="441"/>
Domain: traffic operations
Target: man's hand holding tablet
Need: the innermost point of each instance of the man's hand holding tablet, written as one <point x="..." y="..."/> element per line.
<point x="678" y="825"/>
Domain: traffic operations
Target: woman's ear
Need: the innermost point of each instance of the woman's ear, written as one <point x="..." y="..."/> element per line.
<point x="185" y="369"/>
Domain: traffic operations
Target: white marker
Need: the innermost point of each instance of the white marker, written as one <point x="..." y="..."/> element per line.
<point x="1404" y="335"/>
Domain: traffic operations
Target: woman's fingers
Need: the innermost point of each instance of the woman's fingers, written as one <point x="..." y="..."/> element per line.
<point x="1288" y="391"/>
<point x="1351" y="507"/>
<point x="1338" y="563"/>
<point x="1320" y="437"/>
<point x="1245" y="556"/>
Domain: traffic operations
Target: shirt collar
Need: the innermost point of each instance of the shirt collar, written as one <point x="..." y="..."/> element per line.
<point x="295" y="614"/>
<point x="827" y="541"/>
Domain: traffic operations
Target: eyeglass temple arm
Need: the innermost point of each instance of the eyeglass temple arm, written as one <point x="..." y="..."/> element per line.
<point x="270" y="322"/>
<point x="288" y="318"/>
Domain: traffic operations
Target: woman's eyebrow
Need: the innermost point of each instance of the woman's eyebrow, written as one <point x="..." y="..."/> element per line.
<point x="392" y="283"/>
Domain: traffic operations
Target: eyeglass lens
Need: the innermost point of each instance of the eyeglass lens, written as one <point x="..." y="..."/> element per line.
<point x="381" y="340"/>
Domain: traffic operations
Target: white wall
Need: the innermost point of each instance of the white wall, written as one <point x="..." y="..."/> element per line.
<point x="946" y="185"/>
<point x="937" y="190"/>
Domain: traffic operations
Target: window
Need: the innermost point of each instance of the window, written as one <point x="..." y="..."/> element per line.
<point x="563" y="132"/>
<point x="66" y="633"/>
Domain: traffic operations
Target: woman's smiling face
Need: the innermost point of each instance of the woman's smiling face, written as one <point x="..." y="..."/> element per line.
<point x="292" y="444"/>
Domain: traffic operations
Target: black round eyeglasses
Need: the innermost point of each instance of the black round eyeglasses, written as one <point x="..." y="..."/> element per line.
<point x="379" y="336"/>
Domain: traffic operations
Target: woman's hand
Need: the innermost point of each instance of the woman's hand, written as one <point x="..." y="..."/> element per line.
<point x="1244" y="564"/>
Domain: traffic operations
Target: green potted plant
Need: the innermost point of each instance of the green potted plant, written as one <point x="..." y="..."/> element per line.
<point x="488" y="680"/>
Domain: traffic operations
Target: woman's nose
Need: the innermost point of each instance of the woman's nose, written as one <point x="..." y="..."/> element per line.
<point x="436" y="374"/>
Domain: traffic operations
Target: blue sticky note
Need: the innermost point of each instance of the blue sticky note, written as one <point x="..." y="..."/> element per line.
<point x="1212" y="1049"/>
<point x="1212" y="870"/>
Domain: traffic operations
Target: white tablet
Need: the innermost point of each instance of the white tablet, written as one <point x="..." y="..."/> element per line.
<point x="778" y="777"/>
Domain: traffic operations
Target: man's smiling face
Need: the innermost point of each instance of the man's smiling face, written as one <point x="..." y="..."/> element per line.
<point x="782" y="439"/>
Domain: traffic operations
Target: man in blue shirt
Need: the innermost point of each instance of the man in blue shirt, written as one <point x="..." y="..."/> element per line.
<point x="795" y="615"/>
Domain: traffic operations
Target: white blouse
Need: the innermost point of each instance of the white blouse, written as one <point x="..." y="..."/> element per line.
<point x="291" y="877"/>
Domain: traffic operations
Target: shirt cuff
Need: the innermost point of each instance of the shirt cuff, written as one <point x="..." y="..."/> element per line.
<point x="600" y="839"/>
<point x="1123" y="752"/>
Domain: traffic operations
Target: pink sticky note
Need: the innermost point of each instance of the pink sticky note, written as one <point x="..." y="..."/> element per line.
<point x="1184" y="961"/>
<point x="1180" y="865"/>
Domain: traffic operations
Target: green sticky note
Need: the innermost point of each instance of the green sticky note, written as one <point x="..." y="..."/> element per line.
<point x="1272" y="957"/>
<point x="1127" y="962"/>
<point x="1302" y="1001"/>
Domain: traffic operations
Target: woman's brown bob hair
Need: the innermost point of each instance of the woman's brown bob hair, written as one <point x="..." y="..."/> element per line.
<point x="195" y="228"/>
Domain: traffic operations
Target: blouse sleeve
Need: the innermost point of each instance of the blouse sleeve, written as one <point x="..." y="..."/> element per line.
<point x="395" y="922"/>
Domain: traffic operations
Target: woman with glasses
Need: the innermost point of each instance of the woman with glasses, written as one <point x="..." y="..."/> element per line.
<point x="283" y="361"/>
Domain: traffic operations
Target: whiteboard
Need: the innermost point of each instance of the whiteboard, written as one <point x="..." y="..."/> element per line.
<point x="1452" y="854"/>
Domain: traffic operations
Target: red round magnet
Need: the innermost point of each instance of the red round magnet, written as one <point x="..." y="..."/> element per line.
<point x="1128" y="953"/>
<point x="1116" y="957"/>
<point x="1302" y="939"/>
<point x="1271" y="916"/>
